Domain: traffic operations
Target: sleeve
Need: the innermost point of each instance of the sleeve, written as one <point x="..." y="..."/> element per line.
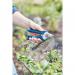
<point x="14" y="9"/>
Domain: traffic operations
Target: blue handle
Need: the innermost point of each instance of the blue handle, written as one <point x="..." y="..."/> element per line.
<point x="36" y="31"/>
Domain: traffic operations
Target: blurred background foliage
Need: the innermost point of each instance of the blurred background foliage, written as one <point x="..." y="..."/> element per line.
<point x="48" y="9"/>
<point x="47" y="13"/>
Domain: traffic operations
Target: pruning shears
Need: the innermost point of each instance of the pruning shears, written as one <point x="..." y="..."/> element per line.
<point x="43" y="35"/>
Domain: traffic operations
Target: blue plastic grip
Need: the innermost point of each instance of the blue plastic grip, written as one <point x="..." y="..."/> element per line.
<point x="36" y="31"/>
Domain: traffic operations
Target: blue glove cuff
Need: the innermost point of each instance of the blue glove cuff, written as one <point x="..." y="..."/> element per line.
<point x="14" y="9"/>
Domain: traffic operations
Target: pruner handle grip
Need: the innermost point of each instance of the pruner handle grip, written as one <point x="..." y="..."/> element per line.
<point x="36" y="31"/>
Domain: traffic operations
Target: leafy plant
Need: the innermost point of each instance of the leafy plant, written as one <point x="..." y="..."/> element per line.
<point x="52" y="66"/>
